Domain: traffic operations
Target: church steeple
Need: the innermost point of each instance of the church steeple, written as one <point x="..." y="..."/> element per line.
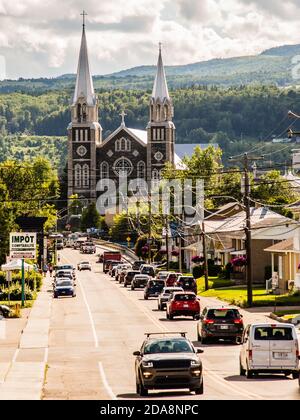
<point x="161" y="107"/>
<point x="84" y="87"/>
<point x="160" y="88"/>
<point x="161" y="129"/>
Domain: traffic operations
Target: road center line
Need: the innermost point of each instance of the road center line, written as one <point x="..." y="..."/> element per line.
<point x="105" y="382"/>
<point x="88" y="308"/>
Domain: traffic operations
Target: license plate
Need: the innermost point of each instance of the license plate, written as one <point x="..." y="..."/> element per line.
<point x="185" y="306"/>
<point x="224" y="327"/>
<point x="281" y="355"/>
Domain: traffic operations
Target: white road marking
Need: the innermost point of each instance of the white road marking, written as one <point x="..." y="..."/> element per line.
<point x="105" y="382"/>
<point x="88" y="308"/>
<point x="15" y="356"/>
<point x="46" y="355"/>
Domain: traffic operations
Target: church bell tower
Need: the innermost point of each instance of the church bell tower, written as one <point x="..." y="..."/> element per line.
<point x="84" y="131"/>
<point x="160" y="129"/>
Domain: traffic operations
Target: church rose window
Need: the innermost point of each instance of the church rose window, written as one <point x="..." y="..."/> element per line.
<point x="123" y="166"/>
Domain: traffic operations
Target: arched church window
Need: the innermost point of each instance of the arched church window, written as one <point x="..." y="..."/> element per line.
<point x="128" y="145"/>
<point x="158" y="113"/>
<point x="166" y="112"/>
<point x="117" y="145"/>
<point x="104" y="170"/>
<point x="155" y="175"/>
<point x="77" y="176"/>
<point x="123" y="145"/>
<point x="85" y="176"/>
<point x="141" y="169"/>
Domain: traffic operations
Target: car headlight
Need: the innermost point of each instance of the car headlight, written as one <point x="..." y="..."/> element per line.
<point x="195" y="363"/>
<point x="147" y="364"/>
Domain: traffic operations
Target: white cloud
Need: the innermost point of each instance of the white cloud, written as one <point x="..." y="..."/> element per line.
<point x="42" y="38"/>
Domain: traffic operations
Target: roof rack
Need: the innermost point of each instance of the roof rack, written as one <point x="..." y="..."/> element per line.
<point x="183" y="334"/>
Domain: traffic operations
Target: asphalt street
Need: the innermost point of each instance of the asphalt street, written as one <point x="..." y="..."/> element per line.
<point x="92" y="338"/>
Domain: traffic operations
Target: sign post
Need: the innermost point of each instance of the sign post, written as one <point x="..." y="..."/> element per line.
<point x="23" y="245"/>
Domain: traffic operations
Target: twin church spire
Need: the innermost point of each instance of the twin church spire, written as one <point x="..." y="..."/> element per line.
<point x="84" y="88"/>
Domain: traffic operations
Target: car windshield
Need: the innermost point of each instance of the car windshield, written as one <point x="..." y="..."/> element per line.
<point x="64" y="284"/>
<point x="65" y="267"/>
<point x="63" y="274"/>
<point x="223" y="313"/>
<point x="85" y="262"/>
<point x="273" y="333"/>
<point x="185" y="297"/>
<point x="168" y="346"/>
<point x="169" y="291"/>
<point x="156" y="283"/>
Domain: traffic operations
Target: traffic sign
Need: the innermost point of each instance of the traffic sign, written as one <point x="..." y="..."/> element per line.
<point x="23" y="245"/>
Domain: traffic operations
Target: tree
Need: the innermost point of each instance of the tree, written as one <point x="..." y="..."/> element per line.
<point x="90" y="218"/>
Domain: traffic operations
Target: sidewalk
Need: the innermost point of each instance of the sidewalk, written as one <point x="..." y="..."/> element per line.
<point x="25" y="376"/>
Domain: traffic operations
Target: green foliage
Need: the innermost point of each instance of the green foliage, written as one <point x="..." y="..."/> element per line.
<point x="90" y="218"/>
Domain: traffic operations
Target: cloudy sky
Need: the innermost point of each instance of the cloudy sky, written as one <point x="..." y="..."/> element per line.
<point x="41" y="37"/>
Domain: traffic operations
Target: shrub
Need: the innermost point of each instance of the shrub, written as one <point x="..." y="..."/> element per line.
<point x="198" y="272"/>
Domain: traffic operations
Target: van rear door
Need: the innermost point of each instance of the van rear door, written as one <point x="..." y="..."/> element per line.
<point x="283" y="346"/>
<point x="260" y="347"/>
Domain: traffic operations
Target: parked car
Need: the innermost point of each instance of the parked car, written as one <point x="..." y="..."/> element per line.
<point x="168" y="362"/>
<point x="129" y="277"/>
<point x="112" y="268"/>
<point x="188" y="283"/>
<point x="139" y="281"/>
<point x="85" y="265"/>
<point x="269" y="348"/>
<point x="165" y="295"/>
<point x="220" y="322"/>
<point x="172" y="279"/>
<point x="183" y="304"/>
<point x="154" y="288"/>
<point x="148" y="270"/>
<point x="5" y="311"/>
<point x="64" y="288"/>
<point x="137" y="265"/>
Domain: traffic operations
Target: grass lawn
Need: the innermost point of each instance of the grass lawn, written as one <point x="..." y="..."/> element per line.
<point x="214" y="283"/>
<point x="238" y="296"/>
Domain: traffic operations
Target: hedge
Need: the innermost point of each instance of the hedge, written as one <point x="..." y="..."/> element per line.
<point x="34" y="282"/>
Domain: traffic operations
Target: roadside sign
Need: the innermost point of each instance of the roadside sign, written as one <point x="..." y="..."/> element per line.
<point x="22" y="245"/>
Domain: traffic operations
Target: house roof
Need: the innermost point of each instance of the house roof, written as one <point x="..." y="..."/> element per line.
<point x="285" y="246"/>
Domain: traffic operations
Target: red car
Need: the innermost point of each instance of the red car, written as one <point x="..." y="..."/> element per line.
<point x="172" y="279"/>
<point x="183" y="304"/>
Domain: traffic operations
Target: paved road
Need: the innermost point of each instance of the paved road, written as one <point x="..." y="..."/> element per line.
<point x="92" y="338"/>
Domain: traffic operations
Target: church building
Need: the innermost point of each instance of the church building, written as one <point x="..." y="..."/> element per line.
<point x="138" y="153"/>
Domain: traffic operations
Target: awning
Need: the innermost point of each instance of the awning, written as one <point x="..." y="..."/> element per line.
<point x="16" y="265"/>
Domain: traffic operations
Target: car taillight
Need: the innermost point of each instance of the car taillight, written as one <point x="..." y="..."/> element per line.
<point x="238" y="321"/>
<point x="209" y="321"/>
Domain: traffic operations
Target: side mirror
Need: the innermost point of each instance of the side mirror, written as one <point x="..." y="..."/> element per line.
<point x="137" y="353"/>
<point x="200" y="351"/>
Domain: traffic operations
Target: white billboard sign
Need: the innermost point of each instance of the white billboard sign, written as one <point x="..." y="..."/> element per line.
<point x="23" y="245"/>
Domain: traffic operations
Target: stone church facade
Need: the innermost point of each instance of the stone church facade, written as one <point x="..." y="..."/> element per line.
<point x="137" y="153"/>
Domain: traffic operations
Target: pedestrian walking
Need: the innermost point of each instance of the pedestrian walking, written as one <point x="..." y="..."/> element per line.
<point x="45" y="269"/>
<point x="50" y="269"/>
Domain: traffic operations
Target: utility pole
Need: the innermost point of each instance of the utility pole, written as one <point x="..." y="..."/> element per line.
<point x="247" y="206"/>
<point x="149" y="229"/>
<point x="167" y="243"/>
<point x="205" y="257"/>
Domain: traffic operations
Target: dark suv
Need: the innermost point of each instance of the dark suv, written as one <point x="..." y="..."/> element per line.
<point x="220" y="323"/>
<point x="188" y="283"/>
<point x="154" y="288"/>
<point x="168" y="362"/>
<point x="137" y="264"/>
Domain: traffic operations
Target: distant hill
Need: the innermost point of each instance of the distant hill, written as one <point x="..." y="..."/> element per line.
<point x="272" y="66"/>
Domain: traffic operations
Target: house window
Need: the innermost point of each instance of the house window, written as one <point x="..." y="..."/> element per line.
<point x="77" y="173"/>
<point x="141" y="169"/>
<point x="85" y="176"/>
<point x="104" y="170"/>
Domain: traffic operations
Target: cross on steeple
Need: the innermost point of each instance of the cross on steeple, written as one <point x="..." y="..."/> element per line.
<point x="123" y="115"/>
<point x="83" y="14"/>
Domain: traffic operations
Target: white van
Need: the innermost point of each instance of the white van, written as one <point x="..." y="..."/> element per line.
<point x="269" y="348"/>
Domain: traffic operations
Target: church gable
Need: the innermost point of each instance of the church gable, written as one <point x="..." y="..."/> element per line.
<point x="121" y="149"/>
